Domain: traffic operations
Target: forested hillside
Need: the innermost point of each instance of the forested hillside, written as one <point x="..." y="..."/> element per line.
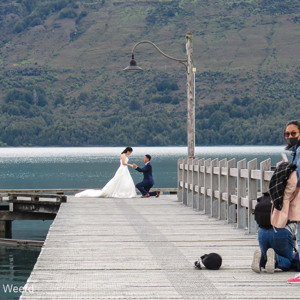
<point x="62" y="80"/>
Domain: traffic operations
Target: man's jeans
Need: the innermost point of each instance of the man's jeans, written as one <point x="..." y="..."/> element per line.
<point x="282" y="243"/>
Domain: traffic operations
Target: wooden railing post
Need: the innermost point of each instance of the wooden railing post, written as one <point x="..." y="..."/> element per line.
<point x="252" y="195"/>
<point x="201" y="185"/>
<point x="214" y="178"/>
<point x="222" y="212"/>
<point x="185" y="181"/>
<point x="207" y="190"/>
<point x="180" y="181"/>
<point x="241" y="194"/>
<point x="231" y="207"/>
<point x="196" y="193"/>
<point x="190" y="182"/>
<point x="265" y="166"/>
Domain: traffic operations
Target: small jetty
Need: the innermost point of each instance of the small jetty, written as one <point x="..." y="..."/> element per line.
<point x="27" y="205"/>
<point x="145" y="248"/>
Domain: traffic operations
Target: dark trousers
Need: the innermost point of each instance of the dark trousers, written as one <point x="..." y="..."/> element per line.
<point x="145" y="188"/>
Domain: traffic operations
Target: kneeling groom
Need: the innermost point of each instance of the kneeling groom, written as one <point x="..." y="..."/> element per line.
<point x="148" y="181"/>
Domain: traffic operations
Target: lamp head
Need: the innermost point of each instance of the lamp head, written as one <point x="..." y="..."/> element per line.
<point x="133" y="67"/>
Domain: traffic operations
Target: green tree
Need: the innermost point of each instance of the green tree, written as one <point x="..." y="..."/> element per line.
<point x="134" y="105"/>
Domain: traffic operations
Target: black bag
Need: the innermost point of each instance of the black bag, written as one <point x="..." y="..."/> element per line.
<point x="262" y="211"/>
<point x="211" y="261"/>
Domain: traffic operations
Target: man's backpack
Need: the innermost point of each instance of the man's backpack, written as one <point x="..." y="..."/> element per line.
<point x="262" y="211"/>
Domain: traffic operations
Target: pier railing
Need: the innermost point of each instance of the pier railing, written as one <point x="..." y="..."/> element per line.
<point x="224" y="189"/>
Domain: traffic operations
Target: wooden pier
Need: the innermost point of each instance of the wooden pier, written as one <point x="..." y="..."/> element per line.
<point x="145" y="248"/>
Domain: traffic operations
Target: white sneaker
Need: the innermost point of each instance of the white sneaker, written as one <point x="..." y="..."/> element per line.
<point x="270" y="265"/>
<point x="255" y="266"/>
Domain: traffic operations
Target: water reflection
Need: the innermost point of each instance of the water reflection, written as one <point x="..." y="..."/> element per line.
<point x="16" y="265"/>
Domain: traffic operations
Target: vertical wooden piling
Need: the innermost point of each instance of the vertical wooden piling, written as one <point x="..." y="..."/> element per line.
<point x="5" y="228"/>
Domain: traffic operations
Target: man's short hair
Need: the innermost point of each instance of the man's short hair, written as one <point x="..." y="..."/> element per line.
<point x="148" y="156"/>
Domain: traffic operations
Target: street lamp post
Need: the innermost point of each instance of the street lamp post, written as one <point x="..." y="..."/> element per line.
<point x="190" y="85"/>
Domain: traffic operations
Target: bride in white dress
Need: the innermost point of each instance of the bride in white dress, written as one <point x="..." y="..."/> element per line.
<point x="120" y="186"/>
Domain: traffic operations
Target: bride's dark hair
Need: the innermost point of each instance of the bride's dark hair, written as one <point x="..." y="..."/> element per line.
<point x="127" y="149"/>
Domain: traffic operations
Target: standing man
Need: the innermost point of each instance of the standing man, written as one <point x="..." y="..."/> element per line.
<point x="148" y="181"/>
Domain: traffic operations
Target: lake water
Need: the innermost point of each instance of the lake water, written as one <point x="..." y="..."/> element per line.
<point x="50" y="168"/>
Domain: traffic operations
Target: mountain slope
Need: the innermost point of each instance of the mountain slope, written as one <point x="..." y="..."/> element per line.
<point x="61" y="78"/>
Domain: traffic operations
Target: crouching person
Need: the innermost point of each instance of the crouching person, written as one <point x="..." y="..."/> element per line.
<point x="276" y="249"/>
<point x="276" y="243"/>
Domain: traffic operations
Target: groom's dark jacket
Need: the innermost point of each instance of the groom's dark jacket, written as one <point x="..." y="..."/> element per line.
<point x="147" y="171"/>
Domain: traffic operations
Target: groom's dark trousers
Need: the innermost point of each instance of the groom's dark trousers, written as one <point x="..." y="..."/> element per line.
<point x="148" y="180"/>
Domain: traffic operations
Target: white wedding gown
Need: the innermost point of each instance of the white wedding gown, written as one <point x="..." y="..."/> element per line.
<point x="120" y="186"/>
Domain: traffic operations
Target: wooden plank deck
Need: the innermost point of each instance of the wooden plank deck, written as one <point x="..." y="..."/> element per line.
<point x="145" y="249"/>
